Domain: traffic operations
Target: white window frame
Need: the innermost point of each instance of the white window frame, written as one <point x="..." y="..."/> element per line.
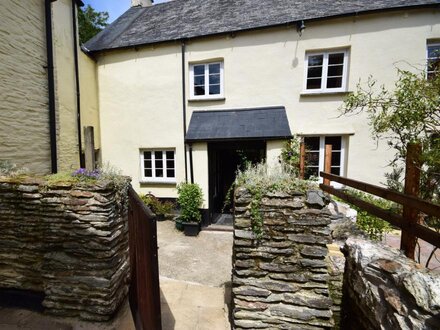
<point x="430" y="44"/>
<point x="153" y="178"/>
<point x="206" y="96"/>
<point x="323" y="88"/>
<point x="322" y="155"/>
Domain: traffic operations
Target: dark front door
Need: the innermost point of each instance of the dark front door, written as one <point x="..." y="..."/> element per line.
<point x="225" y="158"/>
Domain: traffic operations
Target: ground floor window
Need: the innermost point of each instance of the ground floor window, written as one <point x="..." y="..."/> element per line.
<point x="315" y="154"/>
<point x="158" y="165"/>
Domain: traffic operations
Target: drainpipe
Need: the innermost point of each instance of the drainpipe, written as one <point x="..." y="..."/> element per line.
<point x="51" y="86"/>
<point x="184" y="105"/>
<point x="191" y="169"/>
<point x="78" y="96"/>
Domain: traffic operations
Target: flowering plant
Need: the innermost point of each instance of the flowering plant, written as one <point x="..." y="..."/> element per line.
<point x="83" y="173"/>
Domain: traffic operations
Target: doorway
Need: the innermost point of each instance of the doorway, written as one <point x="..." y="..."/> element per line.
<point x="225" y="158"/>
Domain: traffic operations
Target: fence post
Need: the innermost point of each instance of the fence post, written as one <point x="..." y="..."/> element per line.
<point x="411" y="216"/>
<point x="302" y="160"/>
<point x="328" y="162"/>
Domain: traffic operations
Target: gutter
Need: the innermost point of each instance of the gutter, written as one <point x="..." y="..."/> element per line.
<point x="51" y="86"/>
<point x="77" y="86"/>
<point x="184" y="106"/>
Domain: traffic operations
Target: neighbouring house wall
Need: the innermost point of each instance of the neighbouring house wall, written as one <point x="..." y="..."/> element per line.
<point x="89" y="97"/>
<point x="69" y="241"/>
<point x="67" y="146"/>
<point x="201" y="167"/>
<point x="24" y="110"/>
<point x="385" y="290"/>
<point x="273" y="153"/>
<point x="281" y="280"/>
<point x="141" y="88"/>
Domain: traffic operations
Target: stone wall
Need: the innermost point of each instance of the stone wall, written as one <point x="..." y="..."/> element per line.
<point x="281" y="280"/>
<point x="385" y="290"/>
<point x="69" y="241"/>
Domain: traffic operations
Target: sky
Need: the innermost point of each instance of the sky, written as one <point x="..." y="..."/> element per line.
<point x="115" y="8"/>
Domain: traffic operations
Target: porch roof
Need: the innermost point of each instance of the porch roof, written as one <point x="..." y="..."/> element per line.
<point x="269" y="123"/>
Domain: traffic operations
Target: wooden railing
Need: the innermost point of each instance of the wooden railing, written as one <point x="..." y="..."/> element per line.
<point x="144" y="292"/>
<point x="410" y="219"/>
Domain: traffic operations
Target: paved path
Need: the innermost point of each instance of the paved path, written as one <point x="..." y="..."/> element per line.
<point x="195" y="279"/>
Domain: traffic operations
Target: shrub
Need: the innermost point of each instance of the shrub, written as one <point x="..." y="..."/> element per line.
<point x="290" y="155"/>
<point x="190" y="200"/>
<point x="9" y="169"/>
<point x="156" y="206"/>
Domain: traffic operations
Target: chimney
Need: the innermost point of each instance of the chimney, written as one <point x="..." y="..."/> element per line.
<point x="141" y="3"/>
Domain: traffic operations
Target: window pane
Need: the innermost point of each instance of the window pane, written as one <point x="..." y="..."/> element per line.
<point x="314" y="83"/>
<point x="335" y="70"/>
<point x="159" y="173"/>
<point x="170" y="164"/>
<point x="312" y="158"/>
<point x="312" y="143"/>
<point x="336" y="58"/>
<point x="158" y="155"/>
<point x="199" y="69"/>
<point x="335" y="170"/>
<point x="147" y="163"/>
<point x="199" y="90"/>
<point x="336" y="158"/>
<point x="214" y="68"/>
<point x="214" y="79"/>
<point x="170" y="174"/>
<point x="335" y="141"/>
<point x="214" y="89"/>
<point x="433" y="51"/>
<point x="148" y="173"/>
<point x="334" y="82"/>
<point x="316" y="60"/>
<point x="314" y="72"/>
<point x="170" y="155"/>
<point x="147" y="154"/>
<point x="199" y="80"/>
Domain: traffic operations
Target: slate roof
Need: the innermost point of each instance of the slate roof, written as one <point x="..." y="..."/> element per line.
<point x="181" y="19"/>
<point x="258" y="123"/>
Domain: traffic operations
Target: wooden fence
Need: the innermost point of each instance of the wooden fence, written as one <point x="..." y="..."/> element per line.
<point x="144" y="292"/>
<point x="410" y="220"/>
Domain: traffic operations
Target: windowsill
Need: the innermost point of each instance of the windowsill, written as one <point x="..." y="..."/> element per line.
<point x="158" y="182"/>
<point x="323" y="93"/>
<point x="208" y="99"/>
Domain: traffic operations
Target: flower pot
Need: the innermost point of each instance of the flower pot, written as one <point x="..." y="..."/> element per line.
<point x="160" y="217"/>
<point x="191" y="228"/>
<point x="179" y="224"/>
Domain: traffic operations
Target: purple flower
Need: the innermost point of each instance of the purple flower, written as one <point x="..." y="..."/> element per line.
<point x="82" y="172"/>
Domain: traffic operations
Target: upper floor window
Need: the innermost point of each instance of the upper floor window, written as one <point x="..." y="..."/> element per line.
<point x="433" y="55"/>
<point x="158" y="166"/>
<point x="326" y="71"/>
<point x="206" y="80"/>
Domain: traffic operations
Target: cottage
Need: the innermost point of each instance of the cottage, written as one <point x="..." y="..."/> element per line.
<point x="189" y="89"/>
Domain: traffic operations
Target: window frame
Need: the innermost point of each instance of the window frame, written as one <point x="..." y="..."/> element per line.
<point x="321" y="163"/>
<point x="154" y="178"/>
<point x="431" y="44"/>
<point x="324" y="76"/>
<point x="207" y="96"/>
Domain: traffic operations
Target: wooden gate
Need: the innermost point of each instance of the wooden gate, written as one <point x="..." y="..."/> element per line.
<point x="144" y="292"/>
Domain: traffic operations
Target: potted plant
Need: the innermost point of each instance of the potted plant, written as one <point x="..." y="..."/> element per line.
<point x="161" y="209"/>
<point x="190" y="198"/>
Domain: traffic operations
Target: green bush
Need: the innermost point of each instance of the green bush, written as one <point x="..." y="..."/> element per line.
<point x="190" y="200"/>
<point x="156" y="206"/>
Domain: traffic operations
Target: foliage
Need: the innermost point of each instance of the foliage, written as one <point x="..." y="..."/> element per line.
<point x="90" y="23"/>
<point x="374" y="227"/>
<point x="408" y="114"/>
<point x="9" y="169"/>
<point x="158" y="207"/>
<point x="290" y="155"/>
<point x="259" y="179"/>
<point x="190" y="199"/>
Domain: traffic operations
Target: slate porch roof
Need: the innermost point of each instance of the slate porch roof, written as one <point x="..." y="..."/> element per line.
<point x="183" y="19"/>
<point x="239" y="124"/>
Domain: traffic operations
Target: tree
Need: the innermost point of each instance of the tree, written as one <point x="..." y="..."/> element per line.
<point x="90" y="23"/>
<point x="408" y="114"/>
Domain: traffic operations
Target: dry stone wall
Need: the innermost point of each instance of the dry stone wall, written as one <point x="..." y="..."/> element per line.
<point x="68" y="241"/>
<point x="281" y="281"/>
<point x="385" y="290"/>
